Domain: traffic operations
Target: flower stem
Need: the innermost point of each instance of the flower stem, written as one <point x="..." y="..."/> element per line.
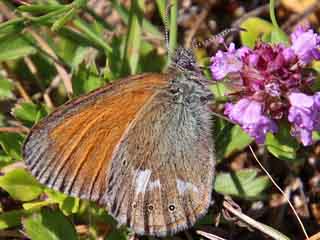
<point x="272" y="14"/>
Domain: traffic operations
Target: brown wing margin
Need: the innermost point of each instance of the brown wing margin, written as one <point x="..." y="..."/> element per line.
<point x="70" y="150"/>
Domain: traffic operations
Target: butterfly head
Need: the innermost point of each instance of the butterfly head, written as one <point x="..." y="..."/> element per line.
<point x="184" y="60"/>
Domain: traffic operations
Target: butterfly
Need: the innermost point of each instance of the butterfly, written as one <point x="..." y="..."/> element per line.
<point x="142" y="147"/>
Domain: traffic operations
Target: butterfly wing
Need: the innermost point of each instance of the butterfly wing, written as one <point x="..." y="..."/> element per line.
<point x="161" y="176"/>
<point x="71" y="150"/>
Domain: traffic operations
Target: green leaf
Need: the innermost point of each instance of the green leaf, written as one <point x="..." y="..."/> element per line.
<point x="68" y="205"/>
<point x="20" y="185"/>
<point x="220" y="91"/>
<point x="11" y="27"/>
<point x="49" y="17"/>
<point x="282" y="145"/>
<point x="278" y="36"/>
<point x="11" y="144"/>
<point x="36" y="205"/>
<point x="66" y="48"/>
<point x="255" y="28"/>
<point x="49" y="225"/>
<point x="40" y="9"/>
<point x="29" y="113"/>
<point x="6" y="87"/>
<point x="316" y="136"/>
<point x="86" y="79"/>
<point x="79" y="56"/>
<point x="316" y="66"/>
<point x="15" y="46"/>
<point x="231" y="139"/>
<point x="244" y="183"/>
<point x="57" y="25"/>
<point x="12" y="218"/>
<point x="5" y="160"/>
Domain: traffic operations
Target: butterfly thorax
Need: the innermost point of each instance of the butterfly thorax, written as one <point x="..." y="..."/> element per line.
<point x="187" y="81"/>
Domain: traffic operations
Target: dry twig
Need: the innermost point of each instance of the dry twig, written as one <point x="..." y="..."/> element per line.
<point x="253" y="223"/>
<point x="282" y="192"/>
<point x="209" y="235"/>
<point x="14" y="129"/>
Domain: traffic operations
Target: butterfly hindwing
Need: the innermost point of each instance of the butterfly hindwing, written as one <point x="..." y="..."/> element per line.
<point x="71" y="150"/>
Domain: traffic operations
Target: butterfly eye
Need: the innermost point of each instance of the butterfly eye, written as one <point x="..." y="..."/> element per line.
<point x="203" y="99"/>
<point x="172" y="207"/>
<point x="134" y="205"/>
<point x="174" y="90"/>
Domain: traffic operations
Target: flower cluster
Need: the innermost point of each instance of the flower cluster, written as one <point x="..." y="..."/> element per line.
<point x="270" y="83"/>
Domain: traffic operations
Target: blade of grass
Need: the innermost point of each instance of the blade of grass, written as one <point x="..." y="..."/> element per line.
<point x="63" y="20"/>
<point x="173" y="26"/>
<point x="11" y="27"/>
<point x="48" y="17"/>
<point x="79" y="38"/>
<point x="161" y="9"/>
<point x="133" y="40"/>
<point x="125" y="15"/>
<point x="92" y="35"/>
<point x="40" y="8"/>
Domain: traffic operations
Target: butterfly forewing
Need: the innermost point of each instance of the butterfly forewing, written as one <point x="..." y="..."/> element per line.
<point x="71" y="150"/>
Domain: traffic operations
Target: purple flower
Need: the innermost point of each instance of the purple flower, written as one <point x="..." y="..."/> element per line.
<point x="249" y="115"/>
<point x="259" y="130"/>
<point x="304" y="114"/>
<point x="268" y="82"/>
<point x="305" y="44"/>
<point x="289" y="55"/>
<point x="273" y="89"/>
<point x="224" y="63"/>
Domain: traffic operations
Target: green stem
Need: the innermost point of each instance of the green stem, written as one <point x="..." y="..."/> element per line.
<point x="273" y="14"/>
<point x="173" y="26"/>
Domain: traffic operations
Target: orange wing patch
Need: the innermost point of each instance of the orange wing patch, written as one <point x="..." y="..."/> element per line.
<point x="71" y="149"/>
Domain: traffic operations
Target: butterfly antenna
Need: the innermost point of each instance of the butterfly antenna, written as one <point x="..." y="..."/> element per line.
<point x="217" y="39"/>
<point x="166" y="28"/>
